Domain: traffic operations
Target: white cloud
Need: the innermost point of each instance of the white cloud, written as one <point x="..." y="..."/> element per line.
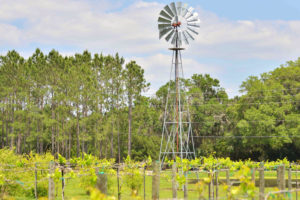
<point x="157" y="68"/>
<point x="10" y="35"/>
<point x="247" y="39"/>
<point x="79" y="24"/>
<point x="133" y="30"/>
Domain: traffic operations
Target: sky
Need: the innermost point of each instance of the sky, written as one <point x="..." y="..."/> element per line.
<point x="237" y="38"/>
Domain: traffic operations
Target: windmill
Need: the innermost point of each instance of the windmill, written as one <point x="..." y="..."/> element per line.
<point x="176" y="23"/>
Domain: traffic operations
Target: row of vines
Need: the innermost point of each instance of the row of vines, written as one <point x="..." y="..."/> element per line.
<point x="28" y="175"/>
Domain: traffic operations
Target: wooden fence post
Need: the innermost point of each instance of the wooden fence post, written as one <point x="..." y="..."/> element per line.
<point x="290" y="182"/>
<point x="217" y="184"/>
<point x="145" y="182"/>
<point x="51" y="186"/>
<point x="261" y="182"/>
<point x="118" y="181"/>
<point x="155" y="180"/>
<point x="280" y="177"/>
<point x="253" y="178"/>
<point x="101" y="181"/>
<point x="185" y="186"/>
<point x="296" y="182"/>
<point x="35" y="181"/>
<point x="62" y="183"/>
<point x="174" y="182"/>
<point x="227" y="182"/>
<point x="210" y="186"/>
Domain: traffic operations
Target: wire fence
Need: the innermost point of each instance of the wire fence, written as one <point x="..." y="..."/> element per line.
<point x="68" y="181"/>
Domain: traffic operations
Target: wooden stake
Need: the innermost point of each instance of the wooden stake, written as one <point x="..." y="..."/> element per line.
<point x="261" y="182"/>
<point x="51" y="187"/>
<point x="155" y="180"/>
<point x="174" y="183"/>
<point x="217" y="184"/>
<point x="185" y="186"/>
<point x="101" y="181"/>
<point x="290" y="182"/>
<point x="62" y="183"/>
<point x="227" y="182"/>
<point x="118" y="180"/>
<point x="35" y="181"/>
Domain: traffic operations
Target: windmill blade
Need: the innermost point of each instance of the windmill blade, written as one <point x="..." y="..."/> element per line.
<point x="184" y="10"/>
<point x="193" y="20"/>
<point x="191" y="9"/>
<point x="163" y="20"/>
<point x="168" y="9"/>
<point x="185" y="38"/>
<point x="194" y="15"/>
<point x="173" y="8"/>
<point x="164" y="32"/>
<point x="179" y="8"/>
<point x="190" y="36"/>
<point x="189" y="13"/>
<point x="169" y="24"/>
<point x="169" y="35"/>
<point x="198" y="22"/>
<point x="184" y="6"/>
<point x="176" y="18"/>
<point x="163" y="26"/>
<point x="192" y="30"/>
<point x="174" y="38"/>
<point x="164" y="14"/>
<point x="194" y="25"/>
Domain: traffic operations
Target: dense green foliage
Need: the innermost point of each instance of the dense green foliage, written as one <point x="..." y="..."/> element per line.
<point x="94" y="104"/>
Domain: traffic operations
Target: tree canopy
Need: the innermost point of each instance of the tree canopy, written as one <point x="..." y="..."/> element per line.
<point x="95" y="104"/>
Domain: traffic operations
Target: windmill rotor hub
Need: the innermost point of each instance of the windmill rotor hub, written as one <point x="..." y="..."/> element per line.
<point x="176" y="24"/>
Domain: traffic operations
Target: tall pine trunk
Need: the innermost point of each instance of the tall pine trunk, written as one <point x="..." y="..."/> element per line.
<point x="38" y="137"/>
<point x="118" y="129"/>
<point x="41" y="129"/>
<point x="19" y="143"/>
<point x="69" y="143"/>
<point x="77" y="132"/>
<point x="57" y="135"/>
<point x="63" y="147"/>
<point x="11" y="127"/>
<point x="53" y="133"/>
<point x="3" y="126"/>
<point x="53" y="126"/>
<point x="28" y="135"/>
<point x="112" y="140"/>
<point x="100" y="149"/>
<point x="6" y="129"/>
<point x="84" y="114"/>
<point x="129" y="124"/>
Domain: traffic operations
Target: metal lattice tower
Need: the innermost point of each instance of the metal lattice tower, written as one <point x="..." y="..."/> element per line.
<point x="177" y="22"/>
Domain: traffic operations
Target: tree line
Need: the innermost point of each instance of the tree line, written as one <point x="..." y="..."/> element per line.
<point x="95" y="104"/>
